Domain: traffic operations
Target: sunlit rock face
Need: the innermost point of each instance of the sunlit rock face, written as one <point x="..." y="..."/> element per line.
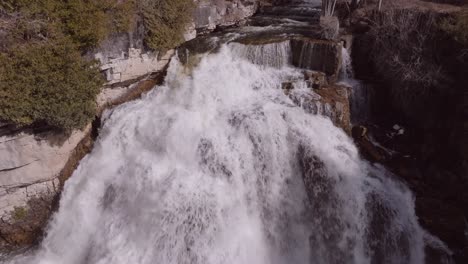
<point x="29" y="169"/>
<point x="212" y="13"/>
<point x="124" y="57"/>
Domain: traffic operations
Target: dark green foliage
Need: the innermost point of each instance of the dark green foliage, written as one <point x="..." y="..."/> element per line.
<point x="123" y="15"/>
<point x="31" y="7"/>
<point x="43" y="77"/>
<point x="165" y="22"/>
<point x="87" y="22"/>
<point x="47" y="82"/>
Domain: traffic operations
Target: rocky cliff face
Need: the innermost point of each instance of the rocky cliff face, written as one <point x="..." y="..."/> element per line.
<point x="419" y="76"/>
<point x="124" y="56"/>
<point x="210" y="14"/>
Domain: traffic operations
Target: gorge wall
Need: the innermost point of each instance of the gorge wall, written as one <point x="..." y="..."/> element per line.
<point x="417" y="73"/>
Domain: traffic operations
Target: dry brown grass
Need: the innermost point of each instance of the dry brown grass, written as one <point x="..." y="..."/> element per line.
<point x="415" y="5"/>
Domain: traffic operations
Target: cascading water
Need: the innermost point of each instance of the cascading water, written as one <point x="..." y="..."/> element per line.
<point x="347" y="72"/>
<point x="360" y="98"/>
<point x="210" y="168"/>
<point x="306" y="55"/>
<point x="275" y="55"/>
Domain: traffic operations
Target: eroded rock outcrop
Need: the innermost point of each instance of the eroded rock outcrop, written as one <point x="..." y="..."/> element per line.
<point x="322" y="98"/>
<point x="124" y="57"/>
<point x="210" y="14"/>
<point x="133" y="65"/>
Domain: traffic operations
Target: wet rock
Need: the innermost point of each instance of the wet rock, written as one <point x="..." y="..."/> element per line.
<point x="330" y="100"/>
<point x="315" y="79"/>
<point x="287" y="87"/>
<point x="317" y="55"/>
<point x="443" y="220"/>
<point x="370" y="151"/>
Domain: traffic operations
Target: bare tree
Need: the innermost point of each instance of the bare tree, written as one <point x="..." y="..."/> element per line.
<point x="401" y="51"/>
<point x="328" y="7"/>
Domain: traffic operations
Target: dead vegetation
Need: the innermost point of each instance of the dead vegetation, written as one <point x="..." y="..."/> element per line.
<point x="401" y="48"/>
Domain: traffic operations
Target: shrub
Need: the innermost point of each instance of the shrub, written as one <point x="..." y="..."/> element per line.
<point x="123" y="15"/>
<point x="401" y="50"/>
<point x="457" y="26"/>
<point x="88" y="22"/>
<point x="43" y="78"/>
<point x="47" y="82"/>
<point x="165" y="22"/>
<point x="19" y="213"/>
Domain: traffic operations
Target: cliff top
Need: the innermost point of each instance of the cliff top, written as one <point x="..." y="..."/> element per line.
<point x="418" y="5"/>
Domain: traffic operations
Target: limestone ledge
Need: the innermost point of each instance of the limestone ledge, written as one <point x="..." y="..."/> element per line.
<point x="132" y="64"/>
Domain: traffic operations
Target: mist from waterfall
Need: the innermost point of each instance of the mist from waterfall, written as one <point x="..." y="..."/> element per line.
<point x="210" y="167"/>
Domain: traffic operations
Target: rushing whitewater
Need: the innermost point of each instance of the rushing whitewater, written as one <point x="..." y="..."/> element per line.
<point x="210" y="168"/>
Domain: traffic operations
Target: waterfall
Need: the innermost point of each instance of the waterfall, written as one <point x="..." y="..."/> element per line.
<point x="306" y="55"/>
<point x="220" y="166"/>
<point x="276" y="55"/>
<point x="346" y="65"/>
<point x="360" y="92"/>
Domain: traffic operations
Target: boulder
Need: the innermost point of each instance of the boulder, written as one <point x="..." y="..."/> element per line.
<point x="329" y="100"/>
